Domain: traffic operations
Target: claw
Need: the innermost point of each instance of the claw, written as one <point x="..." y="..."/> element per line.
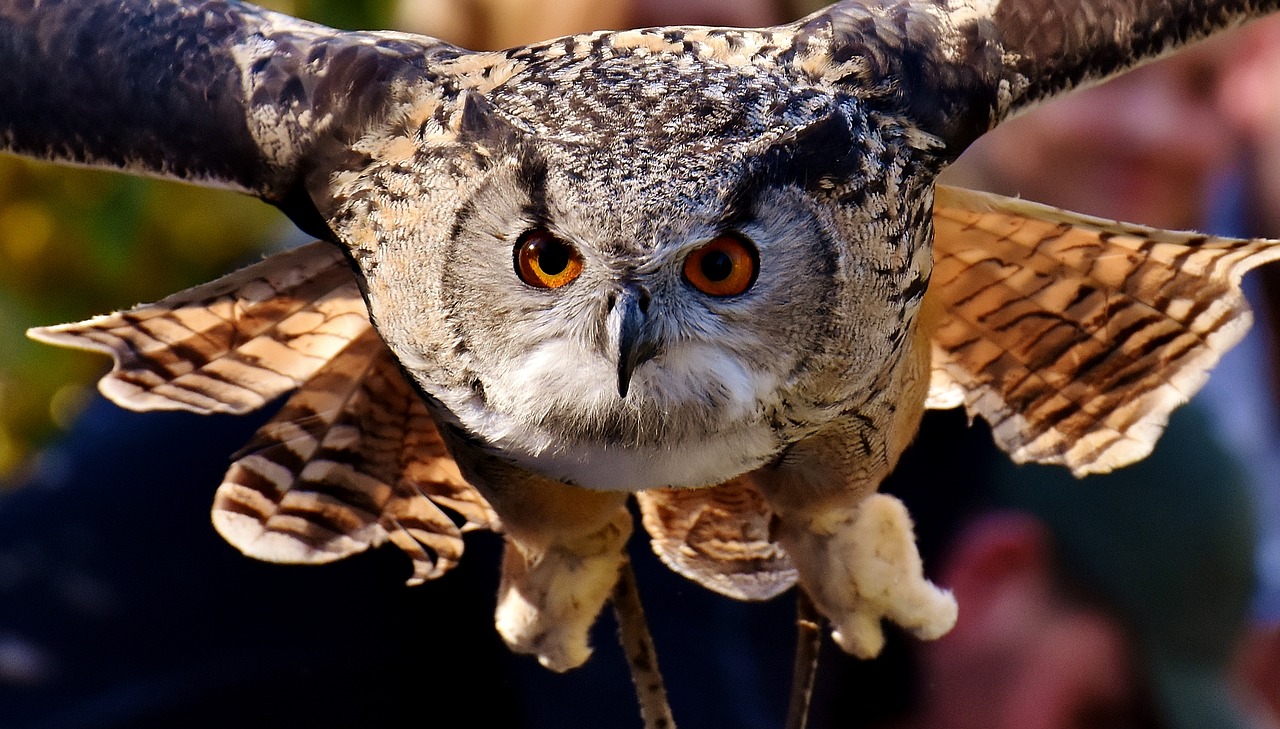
<point x="548" y="601"/>
<point x="862" y="565"/>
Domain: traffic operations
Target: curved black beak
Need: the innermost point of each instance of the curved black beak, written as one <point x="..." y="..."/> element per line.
<point x="636" y="344"/>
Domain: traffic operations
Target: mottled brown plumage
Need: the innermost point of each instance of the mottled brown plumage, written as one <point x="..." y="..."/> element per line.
<point x="350" y="461"/>
<point x="755" y="425"/>
<point x="1076" y="337"/>
<point x="720" y="537"/>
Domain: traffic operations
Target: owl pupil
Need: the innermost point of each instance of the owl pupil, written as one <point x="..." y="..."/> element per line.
<point x="545" y="262"/>
<point x="716" y="265"/>
<point x="553" y="259"/>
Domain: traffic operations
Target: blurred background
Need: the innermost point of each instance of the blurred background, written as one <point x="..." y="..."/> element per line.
<point x="77" y="242"/>
<point x="1193" y="142"/>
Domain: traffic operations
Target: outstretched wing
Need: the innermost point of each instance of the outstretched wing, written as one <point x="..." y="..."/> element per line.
<point x="231" y="345"/>
<point x="1076" y="337"/>
<point x="352" y="460"/>
<point x="214" y="92"/>
<point x="719" y="537"/>
<point x="956" y="68"/>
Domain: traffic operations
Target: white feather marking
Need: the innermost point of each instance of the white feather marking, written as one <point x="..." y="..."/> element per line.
<point x="696" y="413"/>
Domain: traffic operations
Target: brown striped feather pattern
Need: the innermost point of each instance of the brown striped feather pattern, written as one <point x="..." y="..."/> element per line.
<point x="1075" y="337"/>
<point x="719" y="537"/>
<point x="231" y="345"/>
<point x="352" y="460"/>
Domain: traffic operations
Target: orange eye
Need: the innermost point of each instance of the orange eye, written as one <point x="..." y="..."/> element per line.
<point x="726" y="266"/>
<point x="546" y="262"/>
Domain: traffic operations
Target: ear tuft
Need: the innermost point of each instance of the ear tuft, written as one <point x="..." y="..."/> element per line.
<point x="817" y="155"/>
<point x="479" y="122"/>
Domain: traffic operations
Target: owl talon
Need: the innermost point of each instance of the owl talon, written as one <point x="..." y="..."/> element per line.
<point x="860" y="634"/>
<point x="548" y="601"/>
<point x="558" y="646"/>
<point x="861" y="566"/>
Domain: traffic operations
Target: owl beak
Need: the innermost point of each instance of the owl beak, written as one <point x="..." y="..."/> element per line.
<point x="636" y="344"/>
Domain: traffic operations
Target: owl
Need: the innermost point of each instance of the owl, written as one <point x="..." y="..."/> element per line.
<point x="706" y="267"/>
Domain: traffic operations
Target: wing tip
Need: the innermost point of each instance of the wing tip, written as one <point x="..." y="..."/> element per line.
<point x="249" y="535"/>
<point x="66" y="335"/>
<point x="114" y="385"/>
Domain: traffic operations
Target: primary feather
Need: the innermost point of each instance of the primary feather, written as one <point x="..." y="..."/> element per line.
<point x="1075" y="337"/>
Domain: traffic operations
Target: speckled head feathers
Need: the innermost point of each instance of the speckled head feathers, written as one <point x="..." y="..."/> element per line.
<point x="635" y="153"/>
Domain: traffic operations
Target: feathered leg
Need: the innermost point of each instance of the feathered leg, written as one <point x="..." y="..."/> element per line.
<point x="563" y="552"/>
<point x="859" y="564"/>
<point x="854" y="549"/>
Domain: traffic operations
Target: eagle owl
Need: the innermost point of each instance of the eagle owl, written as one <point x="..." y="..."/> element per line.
<point x="706" y="266"/>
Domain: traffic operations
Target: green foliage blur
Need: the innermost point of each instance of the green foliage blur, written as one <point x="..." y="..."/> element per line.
<point x="75" y="243"/>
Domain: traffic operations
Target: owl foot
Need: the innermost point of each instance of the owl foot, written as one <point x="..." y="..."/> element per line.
<point x="549" y="599"/>
<point x="860" y="565"/>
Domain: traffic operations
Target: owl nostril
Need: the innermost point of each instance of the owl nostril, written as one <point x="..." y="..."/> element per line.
<point x="636" y="293"/>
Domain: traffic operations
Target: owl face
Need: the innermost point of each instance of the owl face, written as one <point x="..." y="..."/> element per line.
<point x="626" y="289"/>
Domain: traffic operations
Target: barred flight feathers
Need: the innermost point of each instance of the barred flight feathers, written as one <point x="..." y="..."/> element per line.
<point x="231" y="345"/>
<point x="719" y="537"/>
<point x="352" y="460"/>
<point x="1075" y="337"/>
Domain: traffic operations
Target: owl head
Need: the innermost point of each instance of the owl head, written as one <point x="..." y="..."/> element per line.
<point x="625" y="274"/>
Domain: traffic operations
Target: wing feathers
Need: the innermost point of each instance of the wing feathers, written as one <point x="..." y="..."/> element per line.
<point x="352" y="460"/>
<point x="719" y="537"/>
<point x="231" y="345"/>
<point x="1073" y="336"/>
<point x="959" y="67"/>
<point x="206" y="91"/>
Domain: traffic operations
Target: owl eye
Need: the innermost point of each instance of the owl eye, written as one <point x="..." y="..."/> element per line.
<point x="725" y="266"/>
<point x="544" y="261"/>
